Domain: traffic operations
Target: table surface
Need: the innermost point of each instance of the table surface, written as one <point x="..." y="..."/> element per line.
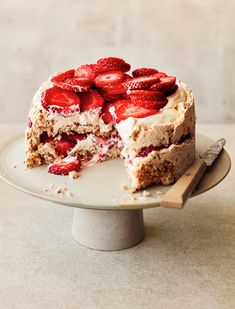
<point x="187" y="259"/>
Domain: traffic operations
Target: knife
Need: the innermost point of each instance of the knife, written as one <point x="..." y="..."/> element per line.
<point x="178" y="194"/>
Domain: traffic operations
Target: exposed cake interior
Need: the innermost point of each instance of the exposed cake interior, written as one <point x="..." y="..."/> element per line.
<point x="85" y="116"/>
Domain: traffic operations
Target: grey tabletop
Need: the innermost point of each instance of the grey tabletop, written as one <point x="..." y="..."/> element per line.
<point x="186" y="260"/>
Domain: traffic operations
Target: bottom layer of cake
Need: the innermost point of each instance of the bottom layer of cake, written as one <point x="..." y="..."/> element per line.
<point x="161" y="167"/>
<point x="152" y="165"/>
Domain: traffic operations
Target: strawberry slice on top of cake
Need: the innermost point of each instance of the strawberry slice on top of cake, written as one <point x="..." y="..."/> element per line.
<point x="98" y="111"/>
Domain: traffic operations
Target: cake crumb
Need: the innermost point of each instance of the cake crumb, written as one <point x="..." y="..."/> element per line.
<point x="14" y="166"/>
<point x="146" y="193"/>
<point x="69" y="194"/>
<point x="159" y="192"/>
<point x="74" y="175"/>
<point x="124" y="186"/>
<point x="132" y="197"/>
<point x="51" y="186"/>
<point x="61" y="191"/>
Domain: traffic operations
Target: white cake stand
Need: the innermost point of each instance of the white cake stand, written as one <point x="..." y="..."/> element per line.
<point x="106" y="217"/>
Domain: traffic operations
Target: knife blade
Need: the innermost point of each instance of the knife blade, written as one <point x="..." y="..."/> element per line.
<point x="178" y="194"/>
<point x="213" y="151"/>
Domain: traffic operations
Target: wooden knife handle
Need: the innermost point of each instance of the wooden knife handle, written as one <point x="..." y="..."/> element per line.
<point x="182" y="189"/>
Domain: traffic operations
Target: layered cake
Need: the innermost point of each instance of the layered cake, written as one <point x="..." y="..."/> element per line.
<point x="98" y="111"/>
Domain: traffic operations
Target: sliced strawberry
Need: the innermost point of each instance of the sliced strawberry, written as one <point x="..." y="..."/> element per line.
<point x="106" y="115"/>
<point x="146" y="95"/>
<point x="144" y="72"/>
<point x="112" y="63"/>
<point x="110" y="97"/>
<point x="63" y="146"/>
<point x="63" y="167"/>
<point x="115" y="92"/>
<point x="86" y="71"/>
<point x="166" y="83"/>
<point x="129" y="109"/>
<point x="69" y="81"/>
<point x="74" y="137"/>
<point x="150" y="104"/>
<point x="109" y="78"/>
<point x="160" y="74"/>
<point x="60" y="101"/>
<point x="143" y="82"/>
<point x="171" y="91"/>
<point x="91" y="100"/>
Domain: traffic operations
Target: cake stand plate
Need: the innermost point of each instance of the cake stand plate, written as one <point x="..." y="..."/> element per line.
<point x="106" y="217"/>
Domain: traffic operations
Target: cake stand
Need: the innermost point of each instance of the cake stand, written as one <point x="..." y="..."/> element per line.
<point x="106" y="217"/>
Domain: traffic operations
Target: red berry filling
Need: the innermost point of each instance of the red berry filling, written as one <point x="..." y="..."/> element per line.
<point x="146" y="150"/>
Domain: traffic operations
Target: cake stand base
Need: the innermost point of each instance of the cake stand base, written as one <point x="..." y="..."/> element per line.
<point x="108" y="229"/>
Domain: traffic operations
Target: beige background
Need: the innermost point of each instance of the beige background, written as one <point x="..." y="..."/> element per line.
<point x="193" y="40"/>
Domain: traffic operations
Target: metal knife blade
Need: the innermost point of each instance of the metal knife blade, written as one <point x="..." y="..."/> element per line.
<point x="213" y="151"/>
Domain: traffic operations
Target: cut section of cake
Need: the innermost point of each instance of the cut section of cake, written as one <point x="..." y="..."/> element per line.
<point x="95" y="112"/>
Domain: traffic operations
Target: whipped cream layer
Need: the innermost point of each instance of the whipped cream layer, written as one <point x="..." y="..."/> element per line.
<point x="86" y="118"/>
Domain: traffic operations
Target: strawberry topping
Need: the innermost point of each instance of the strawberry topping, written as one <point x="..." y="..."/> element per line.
<point x="109" y="78"/>
<point x="150" y="104"/>
<point x="63" y="167"/>
<point x="146" y="95"/>
<point x="129" y="109"/>
<point x="171" y="91"/>
<point x="60" y="101"/>
<point x="106" y="115"/>
<point x="111" y="97"/>
<point x="144" y="72"/>
<point x="112" y="63"/>
<point x="143" y="82"/>
<point x="166" y="83"/>
<point x="86" y="71"/>
<point x="69" y="81"/>
<point x="160" y="74"/>
<point x="91" y="100"/>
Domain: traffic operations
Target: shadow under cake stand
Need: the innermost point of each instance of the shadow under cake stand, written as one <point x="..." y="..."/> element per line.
<point x="106" y="217"/>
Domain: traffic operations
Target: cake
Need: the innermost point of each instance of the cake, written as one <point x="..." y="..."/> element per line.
<point x="98" y="111"/>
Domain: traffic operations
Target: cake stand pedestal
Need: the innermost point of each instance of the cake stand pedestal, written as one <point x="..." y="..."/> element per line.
<point x="108" y="229"/>
<point x="105" y="218"/>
